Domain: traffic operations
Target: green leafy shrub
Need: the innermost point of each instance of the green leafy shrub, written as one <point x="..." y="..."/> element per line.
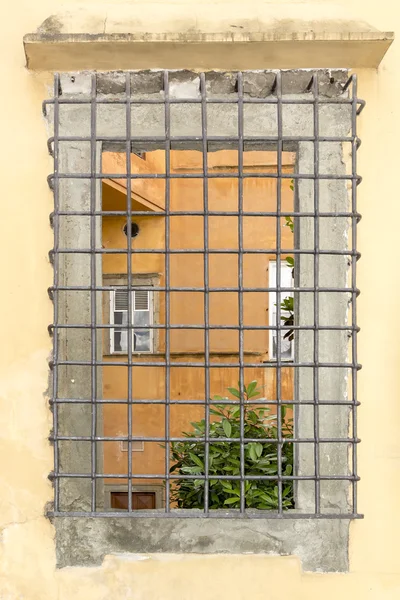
<point x="224" y="457"/>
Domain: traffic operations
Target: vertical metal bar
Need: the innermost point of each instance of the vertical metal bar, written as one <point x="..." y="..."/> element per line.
<point x="56" y="259"/>
<point x="278" y="287"/>
<point x="240" y="287"/>
<point x="206" y="295"/>
<point x="129" y="276"/>
<point x="354" y="288"/>
<point x="93" y="311"/>
<point x="316" y="292"/>
<point x="167" y="116"/>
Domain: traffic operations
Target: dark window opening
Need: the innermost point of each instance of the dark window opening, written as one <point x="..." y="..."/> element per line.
<point x="140" y="500"/>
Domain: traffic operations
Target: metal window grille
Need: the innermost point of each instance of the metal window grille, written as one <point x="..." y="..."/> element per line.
<point x="85" y="443"/>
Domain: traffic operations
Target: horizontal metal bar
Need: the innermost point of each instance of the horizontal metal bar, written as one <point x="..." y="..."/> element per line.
<point x="199" y="213"/>
<point x="209" y="138"/>
<point x="210" y="175"/>
<point x="272" y="100"/>
<point x="88" y="438"/>
<point x="265" y="365"/>
<point x="108" y="288"/>
<point x="214" y="327"/>
<point x="202" y="477"/>
<point x="361" y="105"/>
<point x="183" y="402"/>
<point x="206" y="251"/>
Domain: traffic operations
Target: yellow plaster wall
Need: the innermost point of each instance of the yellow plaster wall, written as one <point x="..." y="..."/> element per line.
<point x="27" y="557"/>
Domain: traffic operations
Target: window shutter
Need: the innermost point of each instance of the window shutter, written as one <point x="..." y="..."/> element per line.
<point x="141" y="306"/>
<point x="141" y="300"/>
<point x="121" y="300"/>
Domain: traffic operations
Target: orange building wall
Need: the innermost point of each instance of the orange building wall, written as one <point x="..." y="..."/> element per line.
<point x="187" y="270"/>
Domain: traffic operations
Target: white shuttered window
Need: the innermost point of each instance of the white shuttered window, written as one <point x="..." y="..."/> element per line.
<point x="142" y="316"/>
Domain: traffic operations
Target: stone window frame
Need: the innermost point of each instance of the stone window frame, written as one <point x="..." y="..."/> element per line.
<point x="322" y="544"/>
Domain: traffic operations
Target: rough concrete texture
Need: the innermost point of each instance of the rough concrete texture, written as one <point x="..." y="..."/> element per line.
<point x="181" y="35"/>
<point x="75" y="307"/>
<point x="255" y="83"/>
<point x="265" y="16"/>
<point x="258" y="85"/>
<point x="328" y="271"/>
<point x="321" y="545"/>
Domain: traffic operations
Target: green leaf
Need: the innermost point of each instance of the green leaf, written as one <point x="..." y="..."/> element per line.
<point x="196" y="460"/>
<point x="290" y="261"/>
<point x="252" y="416"/>
<point x="268" y="499"/>
<point x="175" y="467"/>
<point x="251" y="387"/>
<point x="234" y="392"/>
<point x="289" y="220"/>
<point x="252" y="452"/>
<point x="227" y="427"/>
<point x="213" y="411"/>
<point x="288" y="470"/>
<point x="192" y="470"/>
<point x="231" y="501"/>
<point x="226" y="484"/>
<point x="259" y="449"/>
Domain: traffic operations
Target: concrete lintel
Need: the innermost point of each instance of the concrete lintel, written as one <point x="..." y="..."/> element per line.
<point x="255" y="50"/>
